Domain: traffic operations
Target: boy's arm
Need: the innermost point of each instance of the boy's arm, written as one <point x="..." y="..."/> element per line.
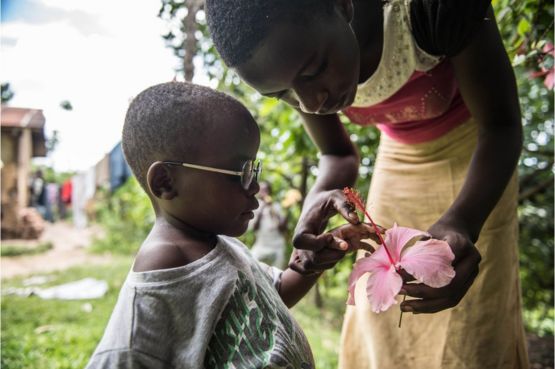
<point x="294" y="286"/>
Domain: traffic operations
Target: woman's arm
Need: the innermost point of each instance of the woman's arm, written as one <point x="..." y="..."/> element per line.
<point x="487" y="83"/>
<point x="338" y="167"/>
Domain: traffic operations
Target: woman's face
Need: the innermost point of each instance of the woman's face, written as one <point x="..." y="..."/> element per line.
<point x="313" y="67"/>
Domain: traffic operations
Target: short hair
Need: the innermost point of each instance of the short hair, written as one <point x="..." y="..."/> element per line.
<point x="239" y="26"/>
<point x="168" y="121"/>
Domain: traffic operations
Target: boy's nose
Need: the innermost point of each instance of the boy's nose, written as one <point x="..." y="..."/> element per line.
<point x="253" y="188"/>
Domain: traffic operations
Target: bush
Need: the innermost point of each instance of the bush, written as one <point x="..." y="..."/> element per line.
<point x="127" y="217"/>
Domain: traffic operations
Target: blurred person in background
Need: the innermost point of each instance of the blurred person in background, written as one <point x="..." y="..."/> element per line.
<point x="270" y="227"/>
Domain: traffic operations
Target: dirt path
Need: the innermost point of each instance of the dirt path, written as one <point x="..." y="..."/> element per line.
<point x="69" y="249"/>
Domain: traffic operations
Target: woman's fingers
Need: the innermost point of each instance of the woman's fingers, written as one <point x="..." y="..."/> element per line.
<point x="345" y="208"/>
<point x="432" y="300"/>
<point x="426" y="306"/>
<point x="406" y="276"/>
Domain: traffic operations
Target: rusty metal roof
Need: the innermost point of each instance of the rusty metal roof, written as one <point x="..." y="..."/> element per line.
<point x="21" y="117"/>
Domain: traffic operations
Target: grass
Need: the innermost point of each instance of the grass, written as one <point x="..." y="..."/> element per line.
<point x="322" y="326"/>
<point x="17" y="250"/>
<point x="55" y="334"/>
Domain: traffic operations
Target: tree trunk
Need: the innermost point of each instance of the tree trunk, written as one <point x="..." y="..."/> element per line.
<point x="190" y="42"/>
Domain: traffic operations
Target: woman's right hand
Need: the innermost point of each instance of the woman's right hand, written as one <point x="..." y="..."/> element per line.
<point x="313" y="246"/>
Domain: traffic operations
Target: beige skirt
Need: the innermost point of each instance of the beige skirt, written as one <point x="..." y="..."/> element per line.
<point x="413" y="185"/>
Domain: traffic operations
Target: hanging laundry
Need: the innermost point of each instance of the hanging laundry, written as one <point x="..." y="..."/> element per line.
<point x="119" y="170"/>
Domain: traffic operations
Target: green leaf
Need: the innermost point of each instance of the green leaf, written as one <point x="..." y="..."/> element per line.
<point x="523" y="27"/>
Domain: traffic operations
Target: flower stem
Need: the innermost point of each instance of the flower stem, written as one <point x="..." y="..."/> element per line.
<point x="354" y="197"/>
<point x="401" y="316"/>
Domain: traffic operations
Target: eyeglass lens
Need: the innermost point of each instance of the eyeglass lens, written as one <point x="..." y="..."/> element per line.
<point x="247" y="174"/>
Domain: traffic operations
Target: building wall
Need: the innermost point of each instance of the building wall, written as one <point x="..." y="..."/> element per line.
<point x="9" y="180"/>
<point x="16" y="170"/>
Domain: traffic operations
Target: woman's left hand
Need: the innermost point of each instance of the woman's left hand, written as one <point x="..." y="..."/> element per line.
<point x="466" y="264"/>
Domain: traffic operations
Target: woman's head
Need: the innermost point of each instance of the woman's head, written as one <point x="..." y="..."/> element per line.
<point x="303" y="52"/>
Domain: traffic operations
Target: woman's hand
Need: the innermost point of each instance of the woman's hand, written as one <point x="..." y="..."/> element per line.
<point x="466" y="264"/>
<point x="314" y="219"/>
<point x="317" y="251"/>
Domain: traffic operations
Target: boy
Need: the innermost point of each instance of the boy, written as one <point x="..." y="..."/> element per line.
<point x="195" y="297"/>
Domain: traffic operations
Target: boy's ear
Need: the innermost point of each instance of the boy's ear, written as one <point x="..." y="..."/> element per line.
<point x="346" y="9"/>
<point x="160" y="181"/>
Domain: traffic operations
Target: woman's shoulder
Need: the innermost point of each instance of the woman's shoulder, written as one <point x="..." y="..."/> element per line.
<point x="445" y="27"/>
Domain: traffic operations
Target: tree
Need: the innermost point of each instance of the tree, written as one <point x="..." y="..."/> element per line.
<point x="182" y="36"/>
<point x="66" y="105"/>
<point x="6" y="93"/>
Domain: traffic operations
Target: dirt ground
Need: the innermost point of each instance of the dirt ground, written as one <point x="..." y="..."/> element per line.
<point x="69" y="249"/>
<point x="540" y="352"/>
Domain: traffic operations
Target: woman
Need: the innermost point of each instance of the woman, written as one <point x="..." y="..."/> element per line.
<point x="435" y="78"/>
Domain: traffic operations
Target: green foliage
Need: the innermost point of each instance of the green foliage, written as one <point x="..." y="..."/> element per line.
<point x="536" y="205"/>
<point x="66" y="105"/>
<point x="6" y="92"/>
<point x="322" y="333"/>
<point x="18" y="250"/>
<point x="528" y="47"/>
<point x="127" y="217"/>
<point x="52" y="176"/>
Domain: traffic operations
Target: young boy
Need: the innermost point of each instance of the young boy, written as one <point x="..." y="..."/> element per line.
<point x="195" y="297"/>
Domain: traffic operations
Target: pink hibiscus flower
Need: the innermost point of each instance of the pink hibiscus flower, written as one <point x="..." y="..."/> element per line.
<point x="429" y="261"/>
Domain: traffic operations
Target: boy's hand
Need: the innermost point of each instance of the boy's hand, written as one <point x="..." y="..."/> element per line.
<point x="308" y="262"/>
<point x="337" y="243"/>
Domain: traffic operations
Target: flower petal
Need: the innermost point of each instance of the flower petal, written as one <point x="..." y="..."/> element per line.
<point x="397" y="237"/>
<point x="384" y="283"/>
<point x="368" y="264"/>
<point x="429" y="262"/>
<point x="361" y="267"/>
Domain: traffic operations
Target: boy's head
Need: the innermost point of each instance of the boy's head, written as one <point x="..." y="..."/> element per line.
<point x="177" y="122"/>
<point x="303" y="52"/>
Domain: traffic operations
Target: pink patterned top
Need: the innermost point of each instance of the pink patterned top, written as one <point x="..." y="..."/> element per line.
<point x="427" y="106"/>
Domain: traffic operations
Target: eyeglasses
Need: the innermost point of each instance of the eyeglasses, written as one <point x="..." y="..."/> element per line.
<point x="250" y="171"/>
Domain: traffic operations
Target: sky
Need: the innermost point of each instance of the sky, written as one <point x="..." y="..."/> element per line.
<point x="96" y="54"/>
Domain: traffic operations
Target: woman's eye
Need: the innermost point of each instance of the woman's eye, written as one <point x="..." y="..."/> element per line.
<point x="321" y="68"/>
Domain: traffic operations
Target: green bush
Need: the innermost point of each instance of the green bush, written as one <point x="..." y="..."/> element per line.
<point x="127" y="217"/>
